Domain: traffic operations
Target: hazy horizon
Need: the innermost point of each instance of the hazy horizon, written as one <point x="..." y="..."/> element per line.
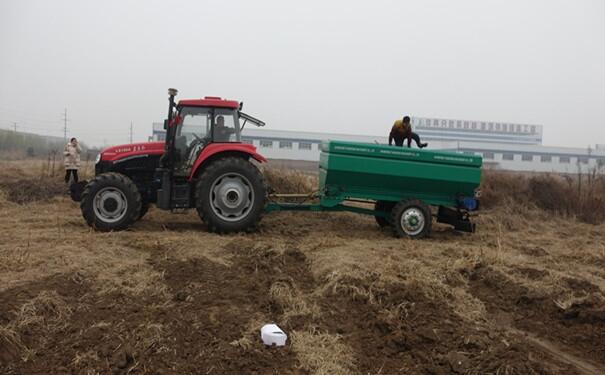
<point x="337" y="67"/>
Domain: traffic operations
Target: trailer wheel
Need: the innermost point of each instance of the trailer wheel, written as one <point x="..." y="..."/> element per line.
<point x="111" y="201"/>
<point x="383" y="206"/>
<point x="230" y="195"/>
<point x="411" y="219"/>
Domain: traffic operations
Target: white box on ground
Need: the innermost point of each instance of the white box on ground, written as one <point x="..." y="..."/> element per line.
<point x="271" y="334"/>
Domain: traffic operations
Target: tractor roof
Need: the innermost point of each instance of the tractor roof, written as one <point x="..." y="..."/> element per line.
<point x="209" y="101"/>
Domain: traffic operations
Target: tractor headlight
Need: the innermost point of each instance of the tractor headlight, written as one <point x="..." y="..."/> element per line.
<point x="98" y="158"/>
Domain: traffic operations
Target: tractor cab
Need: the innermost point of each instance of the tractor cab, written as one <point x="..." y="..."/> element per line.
<point x="193" y="124"/>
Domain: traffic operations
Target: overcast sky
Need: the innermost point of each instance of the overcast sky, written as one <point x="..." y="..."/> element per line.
<point x="334" y="66"/>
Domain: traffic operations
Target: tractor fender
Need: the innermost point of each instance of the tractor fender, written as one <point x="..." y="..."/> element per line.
<point x="214" y="150"/>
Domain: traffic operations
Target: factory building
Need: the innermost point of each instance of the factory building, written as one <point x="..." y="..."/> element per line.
<point x="506" y="146"/>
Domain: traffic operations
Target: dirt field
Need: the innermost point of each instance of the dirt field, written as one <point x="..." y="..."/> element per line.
<point x="523" y="295"/>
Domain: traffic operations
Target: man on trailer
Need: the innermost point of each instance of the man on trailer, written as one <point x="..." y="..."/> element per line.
<point x="402" y="130"/>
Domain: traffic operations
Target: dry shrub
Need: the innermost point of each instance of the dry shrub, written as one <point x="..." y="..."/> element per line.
<point x="289" y="181"/>
<point x="549" y="193"/>
<point x="582" y="196"/>
<point x="497" y="186"/>
<point x="26" y="190"/>
<point x="322" y="353"/>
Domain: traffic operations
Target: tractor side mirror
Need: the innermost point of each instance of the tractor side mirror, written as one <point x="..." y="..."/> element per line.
<point x="165" y="124"/>
<point x="241" y="105"/>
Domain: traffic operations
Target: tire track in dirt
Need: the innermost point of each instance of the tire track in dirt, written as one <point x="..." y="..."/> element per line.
<point x="584" y="366"/>
<point x="396" y="328"/>
<point x="575" y="335"/>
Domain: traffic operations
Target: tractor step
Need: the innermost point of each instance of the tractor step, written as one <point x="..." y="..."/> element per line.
<point x="181" y="196"/>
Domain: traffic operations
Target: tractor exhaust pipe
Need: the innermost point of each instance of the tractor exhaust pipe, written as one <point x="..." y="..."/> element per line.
<point x="164" y="172"/>
<point x="171" y="94"/>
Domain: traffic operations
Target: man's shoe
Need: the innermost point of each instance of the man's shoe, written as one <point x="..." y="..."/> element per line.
<point x="423" y="145"/>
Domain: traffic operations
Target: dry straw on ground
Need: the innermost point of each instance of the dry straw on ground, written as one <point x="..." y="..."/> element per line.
<point x="169" y="296"/>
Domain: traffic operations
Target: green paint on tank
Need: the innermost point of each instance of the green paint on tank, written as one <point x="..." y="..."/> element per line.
<point x="379" y="172"/>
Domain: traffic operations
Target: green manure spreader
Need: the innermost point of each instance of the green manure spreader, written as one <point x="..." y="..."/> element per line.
<point x="203" y="164"/>
<point x="406" y="186"/>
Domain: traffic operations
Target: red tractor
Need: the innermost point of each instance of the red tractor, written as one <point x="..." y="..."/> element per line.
<point x="201" y="164"/>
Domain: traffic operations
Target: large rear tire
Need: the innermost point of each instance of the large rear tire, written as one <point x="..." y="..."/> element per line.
<point x="411" y="219"/>
<point x="111" y="201"/>
<point x="230" y="195"/>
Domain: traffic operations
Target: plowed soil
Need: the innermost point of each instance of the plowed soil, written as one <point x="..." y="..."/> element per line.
<point x="167" y="297"/>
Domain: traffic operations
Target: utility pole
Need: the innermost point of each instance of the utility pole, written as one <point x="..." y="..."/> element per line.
<point x="15" y="126"/>
<point x="65" y="125"/>
<point x="130" y="131"/>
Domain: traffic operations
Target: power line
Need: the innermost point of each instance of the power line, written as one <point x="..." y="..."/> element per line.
<point x="65" y="125"/>
<point x="27" y="117"/>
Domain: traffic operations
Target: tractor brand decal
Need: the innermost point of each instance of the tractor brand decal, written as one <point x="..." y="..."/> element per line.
<point x="399" y="153"/>
<point x="130" y="149"/>
<point x="379" y="151"/>
<point x="348" y="148"/>
<point x="452" y="158"/>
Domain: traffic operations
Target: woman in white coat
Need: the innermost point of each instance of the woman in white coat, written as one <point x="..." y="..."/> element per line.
<point x="72" y="160"/>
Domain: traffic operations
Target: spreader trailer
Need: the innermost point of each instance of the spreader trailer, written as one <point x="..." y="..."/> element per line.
<point x="203" y="164"/>
<point x="402" y="184"/>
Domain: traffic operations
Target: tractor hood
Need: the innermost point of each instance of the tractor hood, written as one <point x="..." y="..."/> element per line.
<point x="120" y="152"/>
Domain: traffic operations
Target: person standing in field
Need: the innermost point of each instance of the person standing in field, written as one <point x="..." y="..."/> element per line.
<point x="72" y="160"/>
<point x="402" y="130"/>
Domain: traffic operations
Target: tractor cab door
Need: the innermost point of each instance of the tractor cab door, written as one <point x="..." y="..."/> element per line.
<point x="198" y="127"/>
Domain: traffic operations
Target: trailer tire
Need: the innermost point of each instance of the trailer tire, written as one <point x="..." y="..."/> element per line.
<point x="412" y="219"/>
<point x="383" y="206"/>
<point x="110" y="201"/>
<point x="230" y="195"/>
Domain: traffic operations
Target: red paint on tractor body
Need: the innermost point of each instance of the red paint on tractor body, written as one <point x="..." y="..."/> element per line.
<point x="115" y="153"/>
<point x="121" y="152"/>
<point x="218" y="148"/>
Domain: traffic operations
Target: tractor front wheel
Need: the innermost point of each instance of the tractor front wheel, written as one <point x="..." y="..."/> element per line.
<point x="230" y="195"/>
<point x="411" y="219"/>
<point x="111" y="201"/>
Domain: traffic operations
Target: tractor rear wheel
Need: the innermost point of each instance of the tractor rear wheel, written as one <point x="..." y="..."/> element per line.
<point x="411" y="218"/>
<point x="230" y="195"/>
<point x="111" y="201"/>
<point x="383" y="206"/>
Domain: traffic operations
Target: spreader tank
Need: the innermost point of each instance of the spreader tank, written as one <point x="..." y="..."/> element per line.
<point x="380" y="172"/>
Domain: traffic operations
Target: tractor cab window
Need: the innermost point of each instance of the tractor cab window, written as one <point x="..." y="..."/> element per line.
<point x="193" y="133"/>
<point x="226" y="126"/>
<point x="195" y="124"/>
